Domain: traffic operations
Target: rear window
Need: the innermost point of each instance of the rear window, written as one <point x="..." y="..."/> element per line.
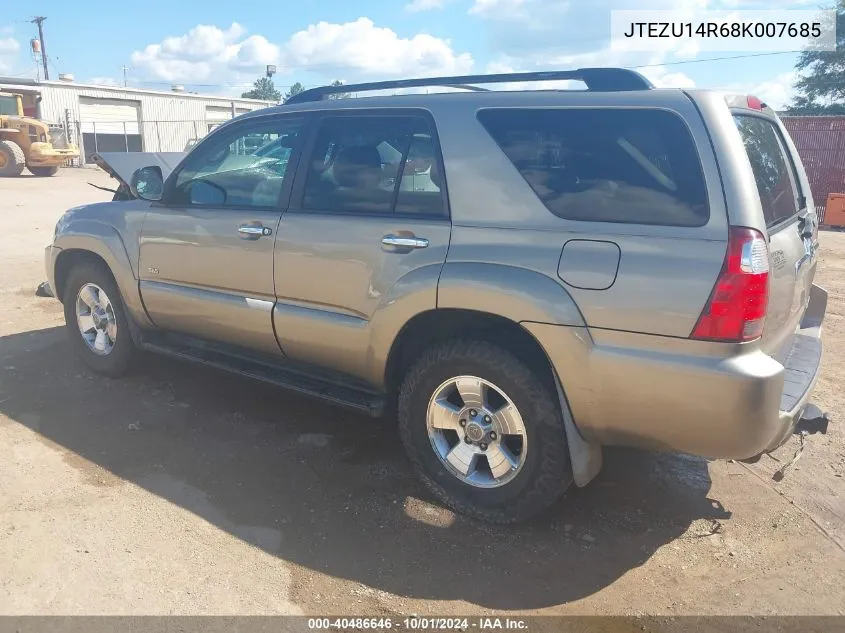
<point x="767" y="155"/>
<point x="635" y="166"/>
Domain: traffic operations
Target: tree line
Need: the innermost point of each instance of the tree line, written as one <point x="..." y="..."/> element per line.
<point x="264" y="89"/>
<point x="821" y="83"/>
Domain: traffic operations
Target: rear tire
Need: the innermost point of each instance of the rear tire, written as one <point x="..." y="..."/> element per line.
<point x="92" y="302"/>
<point x="12" y="159"/>
<point x="542" y="473"/>
<point x="44" y="171"/>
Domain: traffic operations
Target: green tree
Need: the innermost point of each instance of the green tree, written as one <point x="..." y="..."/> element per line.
<point x="264" y="89"/>
<point x="821" y="85"/>
<point x="294" y="90"/>
<point x="339" y="95"/>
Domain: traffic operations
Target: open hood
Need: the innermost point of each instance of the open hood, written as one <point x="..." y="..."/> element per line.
<point x="122" y="165"/>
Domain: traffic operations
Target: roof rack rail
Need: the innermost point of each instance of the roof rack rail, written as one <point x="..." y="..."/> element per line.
<point x="598" y="79"/>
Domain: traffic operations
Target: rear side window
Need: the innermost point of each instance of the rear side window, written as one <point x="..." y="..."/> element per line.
<point x="767" y="155"/>
<point x="634" y="166"/>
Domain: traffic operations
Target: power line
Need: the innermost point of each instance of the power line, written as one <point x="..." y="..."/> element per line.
<point x="24" y="73"/>
<point x="286" y="87"/>
<point x="656" y="65"/>
<point x="714" y="59"/>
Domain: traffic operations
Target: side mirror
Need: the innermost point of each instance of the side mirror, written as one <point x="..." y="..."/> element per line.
<point x="147" y="183"/>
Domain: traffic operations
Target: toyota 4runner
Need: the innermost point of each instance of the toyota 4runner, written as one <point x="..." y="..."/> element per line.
<point x="520" y="277"/>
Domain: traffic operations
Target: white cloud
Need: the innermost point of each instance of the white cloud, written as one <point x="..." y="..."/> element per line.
<point x="498" y="7"/>
<point x="9" y="46"/>
<point x="198" y="55"/>
<point x="9" y="49"/>
<point x="777" y="92"/>
<point x="352" y="50"/>
<point x="416" y="6"/>
<point x="661" y="76"/>
<point x="361" y="48"/>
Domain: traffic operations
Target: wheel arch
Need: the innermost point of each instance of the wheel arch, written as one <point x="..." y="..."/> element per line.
<point x="93" y="241"/>
<point x="67" y="260"/>
<point x="435" y="326"/>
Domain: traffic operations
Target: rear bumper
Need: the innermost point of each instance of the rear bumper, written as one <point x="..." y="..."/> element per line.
<point x="681" y="396"/>
<point x="801" y="367"/>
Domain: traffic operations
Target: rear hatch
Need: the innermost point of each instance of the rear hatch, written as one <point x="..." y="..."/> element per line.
<point x="791" y="224"/>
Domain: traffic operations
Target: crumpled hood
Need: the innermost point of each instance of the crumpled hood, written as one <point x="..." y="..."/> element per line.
<point x="122" y="165"/>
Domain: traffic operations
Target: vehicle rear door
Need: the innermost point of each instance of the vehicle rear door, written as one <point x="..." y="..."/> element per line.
<point x="365" y="236"/>
<point x="790" y="224"/>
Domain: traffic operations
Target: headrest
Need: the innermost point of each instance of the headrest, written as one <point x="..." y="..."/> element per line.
<point x="350" y="161"/>
<point x="434" y="174"/>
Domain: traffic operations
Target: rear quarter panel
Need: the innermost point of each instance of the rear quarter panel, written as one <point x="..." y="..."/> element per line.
<point x="665" y="274"/>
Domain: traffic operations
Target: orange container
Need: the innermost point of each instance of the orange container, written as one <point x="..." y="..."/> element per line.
<point x="834" y="211"/>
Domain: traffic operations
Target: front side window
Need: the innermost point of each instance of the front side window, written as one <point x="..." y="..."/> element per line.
<point x="240" y="166"/>
<point x="635" y="166"/>
<point x="374" y="165"/>
<point x="8" y="105"/>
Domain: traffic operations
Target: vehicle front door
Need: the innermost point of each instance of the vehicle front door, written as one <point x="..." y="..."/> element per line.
<point x="362" y="245"/>
<point x="206" y="252"/>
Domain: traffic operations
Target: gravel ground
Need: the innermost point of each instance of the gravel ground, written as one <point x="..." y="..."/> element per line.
<point x="180" y="490"/>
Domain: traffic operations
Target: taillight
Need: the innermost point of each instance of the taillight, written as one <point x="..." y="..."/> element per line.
<point x="736" y="310"/>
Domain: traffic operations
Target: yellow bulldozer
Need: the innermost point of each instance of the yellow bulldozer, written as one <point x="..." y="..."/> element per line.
<point x="30" y="143"/>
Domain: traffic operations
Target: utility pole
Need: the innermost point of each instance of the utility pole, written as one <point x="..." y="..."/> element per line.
<point x="125" y="68"/>
<point x="39" y="21"/>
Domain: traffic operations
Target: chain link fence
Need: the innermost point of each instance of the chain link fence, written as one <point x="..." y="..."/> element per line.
<point x="93" y="137"/>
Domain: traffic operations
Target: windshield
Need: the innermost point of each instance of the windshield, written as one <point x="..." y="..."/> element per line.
<point x="9" y="105"/>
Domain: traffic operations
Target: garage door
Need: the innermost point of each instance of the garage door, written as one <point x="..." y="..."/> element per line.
<point x="109" y="125"/>
<point x="215" y="115"/>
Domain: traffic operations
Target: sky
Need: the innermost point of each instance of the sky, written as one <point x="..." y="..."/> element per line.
<point x="222" y="47"/>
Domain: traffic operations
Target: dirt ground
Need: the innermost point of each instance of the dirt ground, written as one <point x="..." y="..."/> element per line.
<point x="181" y="490"/>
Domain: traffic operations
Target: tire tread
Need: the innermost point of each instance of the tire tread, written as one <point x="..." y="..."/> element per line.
<point x="120" y="361"/>
<point x="555" y="473"/>
<point x="18" y="158"/>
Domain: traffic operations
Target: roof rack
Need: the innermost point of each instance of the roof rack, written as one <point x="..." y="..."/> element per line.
<point x="598" y="79"/>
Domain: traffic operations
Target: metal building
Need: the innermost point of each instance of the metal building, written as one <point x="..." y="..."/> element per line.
<point x="115" y="119"/>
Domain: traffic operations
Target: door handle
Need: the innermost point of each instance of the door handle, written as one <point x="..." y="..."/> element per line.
<point x="405" y="242"/>
<point x="254" y="230"/>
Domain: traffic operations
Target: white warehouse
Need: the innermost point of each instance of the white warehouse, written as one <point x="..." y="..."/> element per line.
<point x="115" y="119"/>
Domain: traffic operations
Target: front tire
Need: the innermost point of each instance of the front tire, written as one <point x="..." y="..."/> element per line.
<point x="44" y="171"/>
<point x="483" y="432"/>
<point x="96" y="320"/>
<point x="12" y="159"/>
